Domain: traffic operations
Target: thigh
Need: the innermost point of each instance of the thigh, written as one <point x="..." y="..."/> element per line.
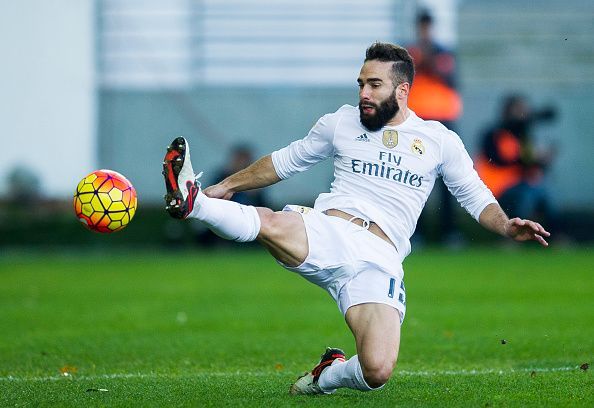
<point x="371" y="285"/>
<point x="283" y="234"/>
<point x="376" y="327"/>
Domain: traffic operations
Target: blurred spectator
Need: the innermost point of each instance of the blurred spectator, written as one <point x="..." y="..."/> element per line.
<point x="240" y="157"/>
<point x="433" y="96"/>
<point x="512" y="166"/>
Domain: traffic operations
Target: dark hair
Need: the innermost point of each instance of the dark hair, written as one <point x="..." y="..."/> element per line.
<point x="424" y="17"/>
<point x="403" y="69"/>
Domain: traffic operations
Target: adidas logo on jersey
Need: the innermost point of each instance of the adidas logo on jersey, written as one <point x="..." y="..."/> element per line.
<point x="362" y="138"/>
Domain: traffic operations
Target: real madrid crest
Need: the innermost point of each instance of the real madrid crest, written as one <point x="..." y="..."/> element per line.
<point x="390" y="138"/>
<point x="417" y="147"/>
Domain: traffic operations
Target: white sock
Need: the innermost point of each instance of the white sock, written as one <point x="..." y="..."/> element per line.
<point x="344" y="374"/>
<point x="227" y="219"/>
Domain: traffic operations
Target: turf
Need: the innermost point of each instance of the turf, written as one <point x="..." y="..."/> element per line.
<point x="484" y="327"/>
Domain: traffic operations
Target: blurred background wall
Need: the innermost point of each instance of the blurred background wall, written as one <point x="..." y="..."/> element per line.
<point x="544" y="50"/>
<point x="48" y="92"/>
<point x="108" y="83"/>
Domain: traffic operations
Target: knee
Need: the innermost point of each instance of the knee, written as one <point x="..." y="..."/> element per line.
<point x="377" y="373"/>
<point x="277" y="225"/>
<point x="269" y="223"/>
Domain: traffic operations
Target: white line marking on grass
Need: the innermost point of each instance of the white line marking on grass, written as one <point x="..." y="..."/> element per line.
<point x="486" y="371"/>
<point x="71" y="377"/>
<point x="404" y="373"/>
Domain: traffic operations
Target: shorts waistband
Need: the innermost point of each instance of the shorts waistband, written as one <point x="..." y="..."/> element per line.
<point x="369" y="225"/>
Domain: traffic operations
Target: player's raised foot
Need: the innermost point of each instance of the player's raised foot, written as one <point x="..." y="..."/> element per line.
<point x="181" y="183"/>
<point x="307" y="384"/>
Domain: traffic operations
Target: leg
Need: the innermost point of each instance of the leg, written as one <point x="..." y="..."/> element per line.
<point x="283" y="235"/>
<point x="374" y="303"/>
<point x="376" y="328"/>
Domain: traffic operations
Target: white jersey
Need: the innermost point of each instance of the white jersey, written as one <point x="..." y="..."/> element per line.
<point x="386" y="176"/>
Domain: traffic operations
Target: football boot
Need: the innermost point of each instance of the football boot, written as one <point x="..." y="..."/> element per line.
<point x="180" y="181"/>
<point x="307" y="384"/>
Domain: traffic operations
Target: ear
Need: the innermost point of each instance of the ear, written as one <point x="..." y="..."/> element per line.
<point x="403" y="90"/>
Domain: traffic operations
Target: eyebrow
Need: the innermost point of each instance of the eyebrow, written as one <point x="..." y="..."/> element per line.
<point x="359" y="80"/>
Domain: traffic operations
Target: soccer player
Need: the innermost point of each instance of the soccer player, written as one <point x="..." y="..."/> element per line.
<point x="352" y="243"/>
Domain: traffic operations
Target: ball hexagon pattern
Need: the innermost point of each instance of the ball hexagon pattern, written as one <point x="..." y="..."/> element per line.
<point x="105" y="201"/>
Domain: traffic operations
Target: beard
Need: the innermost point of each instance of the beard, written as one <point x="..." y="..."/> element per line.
<point x="386" y="110"/>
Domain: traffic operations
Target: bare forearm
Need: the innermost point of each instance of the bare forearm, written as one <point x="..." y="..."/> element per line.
<point x="260" y="174"/>
<point x="494" y="219"/>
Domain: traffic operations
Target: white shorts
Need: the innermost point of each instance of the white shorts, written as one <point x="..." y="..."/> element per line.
<point x="354" y="265"/>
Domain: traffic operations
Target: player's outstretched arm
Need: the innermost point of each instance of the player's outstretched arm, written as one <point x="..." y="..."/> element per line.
<point x="259" y="174"/>
<point x="494" y="218"/>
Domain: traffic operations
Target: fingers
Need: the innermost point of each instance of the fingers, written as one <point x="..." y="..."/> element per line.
<point x="541" y="240"/>
<point x="536" y="227"/>
<point x="212" y="191"/>
<point x="215" y="191"/>
<point x="542" y="231"/>
<point x="530" y="230"/>
<point x="208" y="191"/>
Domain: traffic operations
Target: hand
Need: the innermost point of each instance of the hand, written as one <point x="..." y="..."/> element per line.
<point x="526" y="230"/>
<point x="218" y="191"/>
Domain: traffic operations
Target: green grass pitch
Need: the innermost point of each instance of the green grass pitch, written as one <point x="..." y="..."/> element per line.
<point x="232" y="328"/>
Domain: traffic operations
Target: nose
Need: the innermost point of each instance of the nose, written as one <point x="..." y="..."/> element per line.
<point x="364" y="93"/>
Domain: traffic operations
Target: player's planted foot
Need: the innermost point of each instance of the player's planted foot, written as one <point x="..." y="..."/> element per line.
<point x="307" y="384"/>
<point x="180" y="181"/>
